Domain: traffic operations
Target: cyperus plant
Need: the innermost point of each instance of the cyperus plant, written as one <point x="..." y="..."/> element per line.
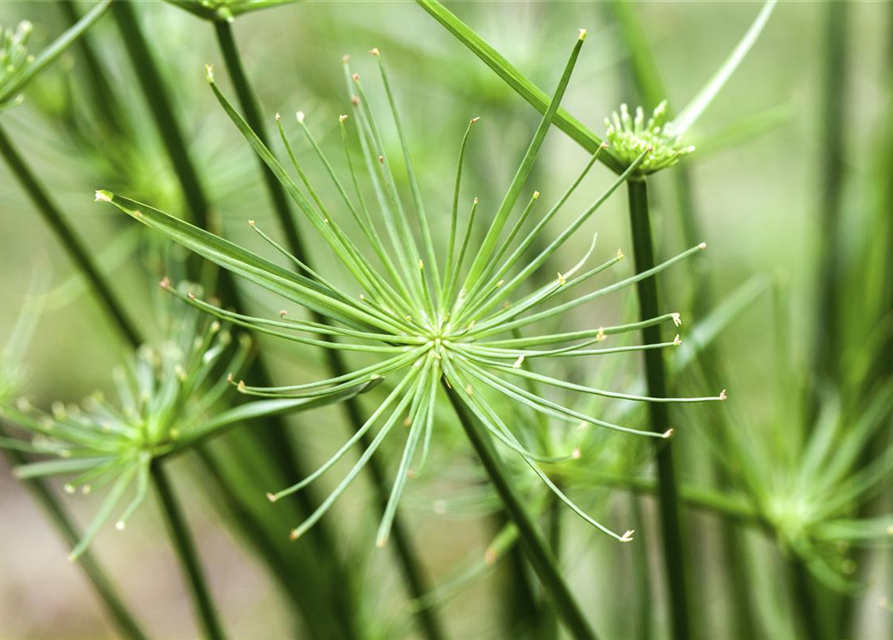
<point x="430" y="325"/>
<point x="168" y="399"/>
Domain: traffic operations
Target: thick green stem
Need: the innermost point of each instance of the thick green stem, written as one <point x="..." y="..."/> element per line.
<point x="831" y="149"/>
<point x="189" y="559"/>
<point x="413" y="574"/>
<point x="121" y="617"/>
<point x="804" y="601"/>
<point x="532" y="540"/>
<point x="69" y="239"/>
<point x="675" y="559"/>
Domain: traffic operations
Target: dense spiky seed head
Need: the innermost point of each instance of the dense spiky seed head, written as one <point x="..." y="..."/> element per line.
<point x="630" y="136"/>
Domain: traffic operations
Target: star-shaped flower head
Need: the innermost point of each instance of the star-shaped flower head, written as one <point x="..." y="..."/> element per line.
<point x="168" y="399"/>
<point x="456" y="329"/>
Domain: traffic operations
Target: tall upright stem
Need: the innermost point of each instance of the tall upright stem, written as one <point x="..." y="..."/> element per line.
<point x="410" y="565"/>
<point x="76" y="249"/>
<point x="532" y="540"/>
<point x="831" y="151"/>
<point x="185" y="547"/>
<point x="120" y="615"/>
<point x="655" y="375"/>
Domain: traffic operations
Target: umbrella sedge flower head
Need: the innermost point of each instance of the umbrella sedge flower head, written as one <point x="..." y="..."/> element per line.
<point x="167" y="399"/>
<point x="631" y="136"/>
<point x="14" y="60"/>
<point x="18" y="66"/>
<point x="442" y="316"/>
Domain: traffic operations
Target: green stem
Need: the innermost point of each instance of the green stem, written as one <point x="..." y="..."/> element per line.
<point x="69" y="239"/>
<point x="675" y="559"/>
<point x="828" y="342"/>
<point x="159" y="103"/>
<point x="532" y="540"/>
<point x="185" y="547"/>
<point x="117" y="610"/>
<point x="804" y="599"/>
<point x="101" y="93"/>
<point x="273" y="436"/>
<point x="413" y="574"/>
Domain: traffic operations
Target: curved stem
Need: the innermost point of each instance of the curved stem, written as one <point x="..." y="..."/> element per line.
<point x="413" y="573"/>
<point x="69" y="239"/>
<point x="670" y="522"/>
<point x="532" y="540"/>
<point x="121" y="617"/>
<point x="184" y="545"/>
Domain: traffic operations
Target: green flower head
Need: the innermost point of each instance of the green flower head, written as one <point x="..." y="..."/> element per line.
<point x="631" y="137"/>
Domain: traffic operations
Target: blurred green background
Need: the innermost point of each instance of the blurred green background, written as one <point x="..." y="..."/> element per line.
<point x="759" y="201"/>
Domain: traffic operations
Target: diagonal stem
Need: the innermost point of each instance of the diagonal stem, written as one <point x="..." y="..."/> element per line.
<point x="76" y="249"/>
<point x="668" y="499"/>
<point x="185" y="548"/>
<point x="413" y="574"/>
<point x="532" y="540"/>
<point x="159" y="103"/>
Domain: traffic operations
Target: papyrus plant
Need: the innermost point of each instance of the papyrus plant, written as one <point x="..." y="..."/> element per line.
<point x="429" y="324"/>
<point x="168" y="398"/>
